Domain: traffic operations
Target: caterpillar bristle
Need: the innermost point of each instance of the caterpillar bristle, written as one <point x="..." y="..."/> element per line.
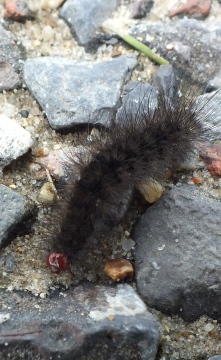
<point x="145" y="140"/>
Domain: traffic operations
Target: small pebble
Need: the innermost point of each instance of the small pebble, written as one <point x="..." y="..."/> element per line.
<point x="24" y="113"/>
<point x="118" y="269"/>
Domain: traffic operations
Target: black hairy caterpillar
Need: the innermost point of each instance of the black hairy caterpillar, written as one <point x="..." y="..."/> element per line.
<point x="140" y="145"/>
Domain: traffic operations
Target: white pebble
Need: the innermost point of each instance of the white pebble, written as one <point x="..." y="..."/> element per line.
<point x="4" y="317"/>
<point x="15" y="141"/>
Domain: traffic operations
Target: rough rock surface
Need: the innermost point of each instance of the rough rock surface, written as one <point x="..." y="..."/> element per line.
<point x="11" y="58"/>
<point x="57" y="85"/>
<point x="177" y="258"/>
<point x="193" y="34"/>
<point x="83" y="23"/>
<point x="15" y="141"/>
<point x="88" y="322"/>
<point x="13" y="209"/>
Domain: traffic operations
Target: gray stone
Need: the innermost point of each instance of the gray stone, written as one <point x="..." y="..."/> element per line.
<point x="197" y="36"/>
<point x="84" y="24"/>
<point x="216" y="357"/>
<point x="141" y="8"/>
<point x="88" y="322"/>
<point x="74" y="93"/>
<point x="137" y="99"/>
<point x="209" y="114"/>
<point x="11" y="60"/>
<point x="13" y="209"/>
<point x="178" y="254"/>
<point x="164" y="80"/>
<point x="14" y="139"/>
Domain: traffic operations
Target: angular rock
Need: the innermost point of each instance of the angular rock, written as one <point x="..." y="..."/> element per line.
<point x="197" y="8"/>
<point x="13" y="209"/>
<point x="178" y="254"/>
<point x="137" y="99"/>
<point x="88" y="322"/>
<point x="17" y="10"/>
<point x="141" y="8"/>
<point x="77" y="93"/>
<point x="11" y="60"/>
<point x="194" y="34"/>
<point x="84" y="24"/>
<point x="15" y="141"/>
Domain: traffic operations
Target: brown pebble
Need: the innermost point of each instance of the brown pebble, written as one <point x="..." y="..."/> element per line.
<point x="193" y="7"/>
<point x="118" y="269"/>
<point x="17" y="10"/>
<point x="212" y="157"/>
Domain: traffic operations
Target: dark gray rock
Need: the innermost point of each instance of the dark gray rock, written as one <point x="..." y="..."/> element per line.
<point x="195" y="35"/>
<point x="141" y="8"/>
<point x="164" y="80"/>
<point x="84" y="24"/>
<point x="11" y="60"/>
<point x="13" y="209"/>
<point x="178" y="254"/>
<point x="74" y="93"/>
<point x="88" y="322"/>
<point x="137" y="99"/>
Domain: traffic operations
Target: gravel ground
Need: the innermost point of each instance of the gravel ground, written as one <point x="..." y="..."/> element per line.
<point x="49" y="35"/>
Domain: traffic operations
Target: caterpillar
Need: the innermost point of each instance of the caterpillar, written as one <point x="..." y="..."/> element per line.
<point x="145" y="140"/>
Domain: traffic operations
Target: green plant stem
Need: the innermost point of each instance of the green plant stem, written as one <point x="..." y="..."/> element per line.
<point x="140" y="46"/>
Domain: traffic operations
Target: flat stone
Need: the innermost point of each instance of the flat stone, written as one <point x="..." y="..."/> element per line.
<point x="87" y="322"/>
<point x="14" y="208"/>
<point x="84" y="24"/>
<point x="74" y="93"/>
<point x="196" y="35"/>
<point x="15" y="140"/>
<point x="11" y="60"/>
<point x="137" y="99"/>
<point x="178" y="254"/>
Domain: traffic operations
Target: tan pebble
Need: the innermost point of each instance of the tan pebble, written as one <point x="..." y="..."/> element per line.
<point x="20" y="249"/>
<point x="13" y="186"/>
<point x="118" y="269"/>
<point x="111" y="317"/>
<point x="150" y="189"/>
<point x="170" y="46"/>
<point x="51" y="4"/>
<point x="116" y="52"/>
<point x="47" y="195"/>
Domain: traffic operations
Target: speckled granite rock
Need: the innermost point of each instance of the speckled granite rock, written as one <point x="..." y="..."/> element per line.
<point x="88" y="322"/>
<point x="11" y="60"/>
<point x="83" y="23"/>
<point x="178" y="254"/>
<point x="13" y="209"/>
<point x="74" y="93"/>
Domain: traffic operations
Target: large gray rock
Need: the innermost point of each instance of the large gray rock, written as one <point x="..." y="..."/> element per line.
<point x="88" y="322"/>
<point x="190" y="39"/>
<point x="85" y="16"/>
<point x="11" y="60"/>
<point x="74" y="93"/>
<point x="13" y="209"/>
<point x="178" y="254"/>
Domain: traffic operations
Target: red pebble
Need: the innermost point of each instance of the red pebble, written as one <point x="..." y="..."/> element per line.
<point x="57" y="262"/>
